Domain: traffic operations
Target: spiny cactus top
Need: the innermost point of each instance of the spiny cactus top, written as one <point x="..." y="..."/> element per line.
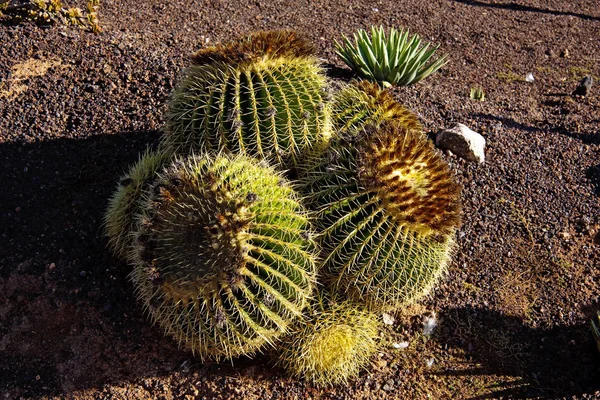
<point x="362" y="103"/>
<point x="259" y="45"/>
<point x="410" y="179"/>
<point x="271" y="107"/>
<point x="387" y="210"/>
<point x="224" y="258"/>
<point x="333" y="344"/>
<point x="399" y="168"/>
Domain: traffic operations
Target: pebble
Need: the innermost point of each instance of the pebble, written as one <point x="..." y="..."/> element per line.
<point x="51" y="267"/>
<point x="389" y="385"/>
<point x="388" y="319"/>
<point x="463" y="142"/>
<point x="583" y="89"/>
<point x="429" y="325"/>
<point x="401" y="345"/>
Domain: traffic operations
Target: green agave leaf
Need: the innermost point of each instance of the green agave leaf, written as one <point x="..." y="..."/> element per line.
<point x="431" y="68"/>
<point x="393" y="59"/>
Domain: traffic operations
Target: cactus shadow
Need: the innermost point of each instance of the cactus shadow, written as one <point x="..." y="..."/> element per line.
<point x="68" y="316"/>
<point x="593" y="174"/>
<point x="342" y="74"/>
<point x="586" y="137"/>
<point x="557" y="362"/>
<point x="525" y="8"/>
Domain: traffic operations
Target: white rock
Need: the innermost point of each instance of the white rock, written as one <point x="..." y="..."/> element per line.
<point x="529" y="77"/>
<point x="463" y="142"/>
<point x="430" y="362"/>
<point x="429" y="325"/>
<point x="387" y="319"/>
<point x="401" y="345"/>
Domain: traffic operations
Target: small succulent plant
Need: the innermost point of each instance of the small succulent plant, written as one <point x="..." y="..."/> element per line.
<point x="386" y="209"/>
<point x="263" y="95"/>
<point x="364" y="103"/>
<point x="119" y="220"/>
<point x="223" y="257"/>
<point x="332" y="345"/>
<point x="390" y="60"/>
<point x="477" y="94"/>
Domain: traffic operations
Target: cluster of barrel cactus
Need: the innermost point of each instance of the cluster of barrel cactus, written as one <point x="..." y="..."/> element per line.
<point x="275" y="214"/>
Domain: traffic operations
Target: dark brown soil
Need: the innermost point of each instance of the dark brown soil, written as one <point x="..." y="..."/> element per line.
<point x="514" y="309"/>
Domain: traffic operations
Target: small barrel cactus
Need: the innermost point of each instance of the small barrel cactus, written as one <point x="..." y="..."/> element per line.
<point x="119" y="221"/>
<point x="387" y="210"/>
<point x="332" y="345"/>
<point x="223" y="257"/>
<point x="263" y="95"/>
<point x="362" y="103"/>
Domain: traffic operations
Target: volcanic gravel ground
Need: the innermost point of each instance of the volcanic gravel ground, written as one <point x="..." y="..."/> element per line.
<point x="513" y="311"/>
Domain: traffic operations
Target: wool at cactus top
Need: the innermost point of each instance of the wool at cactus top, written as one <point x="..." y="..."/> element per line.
<point x="223" y="258"/>
<point x="286" y="44"/>
<point x="271" y="107"/>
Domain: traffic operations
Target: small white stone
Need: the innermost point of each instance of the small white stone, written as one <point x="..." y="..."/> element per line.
<point x="429" y="325"/>
<point x="401" y="345"/>
<point x="529" y="77"/>
<point x="388" y="319"/>
<point x="463" y="142"/>
<point x="430" y="362"/>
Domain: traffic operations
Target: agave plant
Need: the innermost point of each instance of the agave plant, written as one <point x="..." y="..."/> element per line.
<point x="391" y="60"/>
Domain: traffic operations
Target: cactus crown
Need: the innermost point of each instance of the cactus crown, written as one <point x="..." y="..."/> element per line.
<point x="224" y="260"/>
<point x="333" y="345"/>
<point x="259" y="45"/>
<point x="363" y="102"/>
<point x="413" y="182"/>
<point x="401" y="170"/>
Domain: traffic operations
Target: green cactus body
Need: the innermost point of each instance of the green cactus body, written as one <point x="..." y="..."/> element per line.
<point x="259" y="101"/>
<point x="119" y="221"/>
<point x="387" y="210"/>
<point x="333" y="345"/>
<point x="362" y="103"/>
<point x="224" y="261"/>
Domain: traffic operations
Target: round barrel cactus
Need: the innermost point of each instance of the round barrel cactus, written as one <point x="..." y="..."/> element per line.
<point x="119" y="221"/>
<point x="362" y="103"/>
<point x="387" y="208"/>
<point x="262" y="95"/>
<point x="332" y="345"/>
<point x="223" y="257"/>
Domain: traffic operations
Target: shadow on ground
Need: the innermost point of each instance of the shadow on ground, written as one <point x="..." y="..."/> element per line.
<point x="519" y="7"/>
<point x="554" y="363"/>
<point x="586" y="137"/>
<point x="68" y="319"/>
<point x="593" y="174"/>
